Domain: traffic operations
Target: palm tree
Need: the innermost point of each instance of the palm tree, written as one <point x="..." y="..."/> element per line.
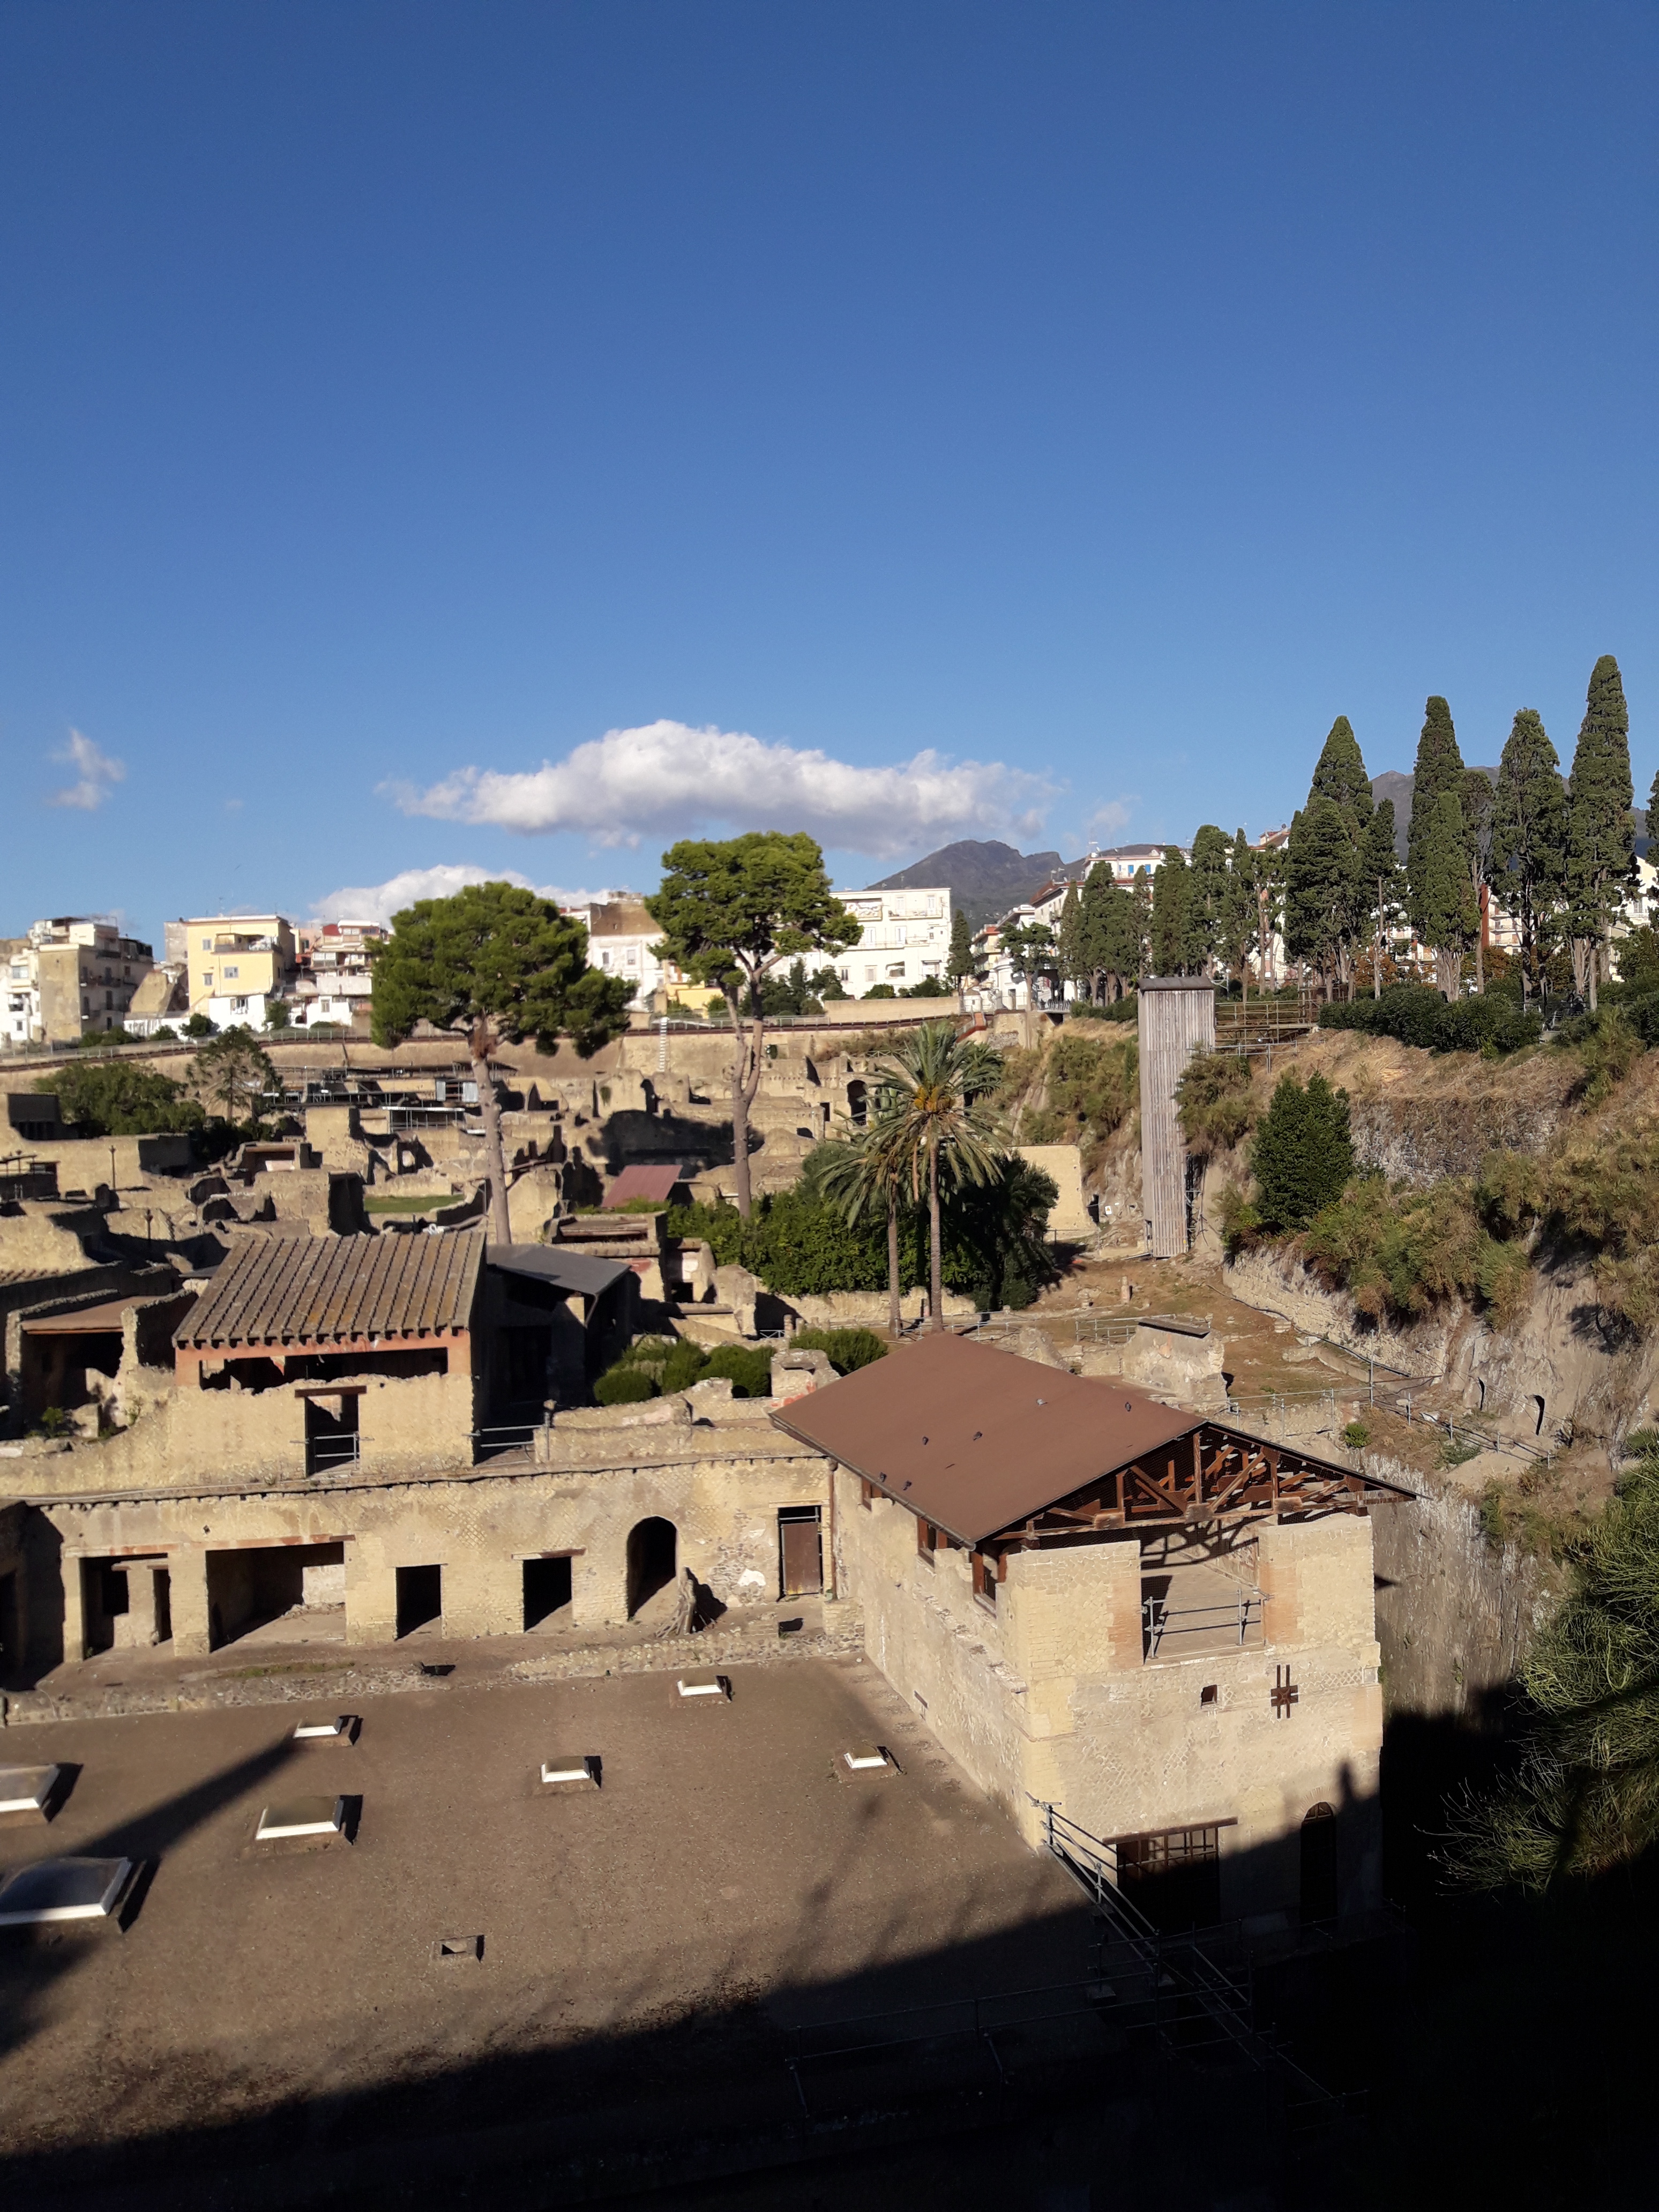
<point x="858" y="1176"/>
<point x="938" y="1121"/>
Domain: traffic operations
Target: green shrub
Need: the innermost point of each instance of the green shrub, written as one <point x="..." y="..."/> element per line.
<point x="1453" y="1454"/>
<point x="1217" y="1106"/>
<point x="1415" y="1014"/>
<point x="881" y="991"/>
<point x="748" y="1368"/>
<point x="1400" y="1253"/>
<point x="624" y="1386"/>
<point x="684" y="1365"/>
<point x="1356" y="1436"/>
<point x="1609" y="1043"/>
<point x="719" y="1227"/>
<point x="848" y="1349"/>
<point x="1303" y="1155"/>
<point x="1121" y="1010"/>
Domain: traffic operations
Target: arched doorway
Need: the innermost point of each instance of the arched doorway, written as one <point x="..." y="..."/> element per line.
<point x="652" y="1561"/>
<point x="857" y="1103"/>
<point x="1320" y="1887"/>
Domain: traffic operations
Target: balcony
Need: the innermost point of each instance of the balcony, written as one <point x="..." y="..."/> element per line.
<point x="1199" y="1612"/>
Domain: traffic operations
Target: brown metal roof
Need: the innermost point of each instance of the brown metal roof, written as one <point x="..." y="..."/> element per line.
<point x="651" y="1180"/>
<point x="323" y="1290"/>
<point x="976" y="1439"/>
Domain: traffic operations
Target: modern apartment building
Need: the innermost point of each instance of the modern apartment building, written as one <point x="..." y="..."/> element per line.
<point x="69" y="977"/>
<point x="238" y="963"/>
<point x="906" y="937"/>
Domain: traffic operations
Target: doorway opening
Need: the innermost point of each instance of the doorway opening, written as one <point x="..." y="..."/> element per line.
<point x="546" y="1590"/>
<point x="1320" y="1897"/>
<point x="1175" y="1876"/>
<point x="800" y="1552"/>
<point x="420" y="1597"/>
<point x="652" y="1561"/>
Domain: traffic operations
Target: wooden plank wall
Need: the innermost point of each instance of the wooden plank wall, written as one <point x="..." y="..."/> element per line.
<point x="1177" y="1019"/>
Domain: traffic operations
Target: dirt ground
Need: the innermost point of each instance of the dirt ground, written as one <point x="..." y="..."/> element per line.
<point x="721" y="1868"/>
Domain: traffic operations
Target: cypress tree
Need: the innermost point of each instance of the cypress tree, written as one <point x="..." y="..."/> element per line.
<point x="1074" y="964"/>
<point x="1380" y="868"/>
<point x="959" y="962"/>
<point x="1339" y="774"/>
<point x="1439" y="768"/>
<point x="1323" y="888"/>
<point x="1236" y="932"/>
<point x="1445" y="894"/>
<point x="1119" y="947"/>
<point x="1600" y="838"/>
<point x="1477" y="797"/>
<point x="1303" y="1155"/>
<point x="1173" y="929"/>
<point x="1530" y="838"/>
<point x="1208" y="892"/>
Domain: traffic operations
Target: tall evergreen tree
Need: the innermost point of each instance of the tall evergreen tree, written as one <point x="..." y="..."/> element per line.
<point x="1450" y="918"/>
<point x="1339" y="774"/>
<point x="1530" y="839"/>
<point x="1094" y="928"/>
<point x="1208" y="890"/>
<point x="1140" y="891"/>
<point x="1477" y="797"/>
<point x="1177" y="931"/>
<point x="1118" y="934"/>
<point x="959" y="963"/>
<point x="1074" y="954"/>
<point x="1600" y="836"/>
<point x="1439" y="770"/>
<point x="1321" y="891"/>
<point x="1380" y="868"/>
<point x="1236" y="933"/>
<point x="1270" y="870"/>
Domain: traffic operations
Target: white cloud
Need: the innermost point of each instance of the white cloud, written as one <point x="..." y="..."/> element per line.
<point x="96" y="773"/>
<point x="379" y="901"/>
<point x="1108" y="820"/>
<point x="665" y="780"/>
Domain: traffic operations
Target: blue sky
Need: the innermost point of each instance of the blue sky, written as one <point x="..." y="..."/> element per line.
<point x="506" y="437"/>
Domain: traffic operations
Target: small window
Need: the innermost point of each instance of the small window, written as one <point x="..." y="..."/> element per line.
<point x="985" y="1572"/>
<point x="231" y="970"/>
<point x="1209" y="1694"/>
<point x="866" y="1492"/>
<point x="927" y="1541"/>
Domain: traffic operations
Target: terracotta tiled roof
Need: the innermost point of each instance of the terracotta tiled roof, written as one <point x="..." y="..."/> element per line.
<point x="323" y="1289"/>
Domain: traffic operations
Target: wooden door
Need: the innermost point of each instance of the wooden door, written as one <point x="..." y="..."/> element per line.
<point x="803" y="1558"/>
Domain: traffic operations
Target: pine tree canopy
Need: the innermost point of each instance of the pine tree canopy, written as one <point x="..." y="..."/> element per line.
<point x="1340" y="774"/>
<point x="1600" y="836"/>
<point x="1439" y="769"/>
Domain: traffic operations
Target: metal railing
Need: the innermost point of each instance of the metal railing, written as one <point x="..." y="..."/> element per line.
<point x="503" y="1436"/>
<point x="1157" y="1614"/>
<point x="1181" y="1988"/>
<point x="324" y="1454"/>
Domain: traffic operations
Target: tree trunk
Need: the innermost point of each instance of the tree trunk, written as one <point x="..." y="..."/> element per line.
<point x="1479" y="942"/>
<point x="1376" y="957"/>
<point x="936" y="1268"/>
<point x="1583" y="980"/>
<point x="479" y="1040"/>
<point x="895" y="1318"/>
<point x="746" y="1081"/>
<point x="1448" y="972"/>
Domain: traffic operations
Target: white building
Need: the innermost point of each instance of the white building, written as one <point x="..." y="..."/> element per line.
<point x="620" y="936"/>
<point x="905" y="938"/>
<point x="336" y="982"/>
<point x="69" y="977"/>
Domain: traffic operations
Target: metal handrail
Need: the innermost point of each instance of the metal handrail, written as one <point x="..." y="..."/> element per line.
<point x="324" y="1452"/>
<point x="1157" y="1613"/>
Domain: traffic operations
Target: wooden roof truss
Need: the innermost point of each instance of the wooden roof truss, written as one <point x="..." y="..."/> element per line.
<point x="1213" y="1475"/>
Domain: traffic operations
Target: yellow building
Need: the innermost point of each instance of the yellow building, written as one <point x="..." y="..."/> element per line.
<point x="237" y="963"/>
